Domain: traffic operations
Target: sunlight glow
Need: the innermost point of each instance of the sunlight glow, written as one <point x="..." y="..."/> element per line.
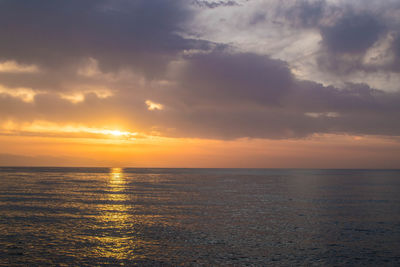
<point x="45" y="128"/>
<point x="116" y="178"/>
<point x="112" y="132"/>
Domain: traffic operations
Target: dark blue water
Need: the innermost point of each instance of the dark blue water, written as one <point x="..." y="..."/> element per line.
<point x="163" y="217"/>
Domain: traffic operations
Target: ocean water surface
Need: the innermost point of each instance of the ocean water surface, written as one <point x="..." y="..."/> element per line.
<point x="196" y="217"/>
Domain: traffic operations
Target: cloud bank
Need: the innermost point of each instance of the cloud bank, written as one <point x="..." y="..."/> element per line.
<point x="145" y="64"/>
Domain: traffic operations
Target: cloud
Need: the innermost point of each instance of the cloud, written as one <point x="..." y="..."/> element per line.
<point x="25" y="94"/>
<point x="226" y="94"/>
<point x="85" y="91"/>
<point x="13" y="67"/>
<point x="225" y="76"/>
<point x="214" y="4"/>
<point x="154" y="106"/>
<point x="140" y="34"/>
<point x="116" y="60"/>
<point x="353" y="33"/>
<point x="302" y="13"/>
<point x="349" y="32"/>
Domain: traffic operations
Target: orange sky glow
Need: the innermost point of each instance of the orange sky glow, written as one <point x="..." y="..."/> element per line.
<point x="106" y="148"/>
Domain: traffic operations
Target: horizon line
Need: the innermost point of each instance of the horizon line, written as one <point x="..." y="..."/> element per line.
<point x="238" y="168"/>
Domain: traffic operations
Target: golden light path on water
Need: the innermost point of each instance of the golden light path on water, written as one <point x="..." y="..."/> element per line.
<point x="118" y="239"/>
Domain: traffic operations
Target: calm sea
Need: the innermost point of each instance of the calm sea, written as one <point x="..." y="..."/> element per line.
<point x="194" y="217"/>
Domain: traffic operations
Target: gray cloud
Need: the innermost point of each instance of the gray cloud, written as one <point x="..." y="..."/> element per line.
<point x="348" y="31"/>
<point x="303" y="13"/>
<point x="353" y="33"/>
<point x="274" y="106"/>
<point x="346" y="42"/>
<point x="218" y="95"/>
<point x="140" y="34"/>
<point x="222" y="76"/>
<point x="214" y="4"/>
<point x="395" y="66"/>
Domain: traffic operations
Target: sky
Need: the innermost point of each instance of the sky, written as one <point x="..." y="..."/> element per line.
<point x="196" y="83"/>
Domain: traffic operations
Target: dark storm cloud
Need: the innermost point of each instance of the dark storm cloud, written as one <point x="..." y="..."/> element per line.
<point x="395" y="66"/>
<point x="273" y="105"/>
<point x="224" y="77"/>
<point x="229" y="95"/>
<point x="344" y="28"/>
<point x="346" y="42"/>
<point x="352" y="33"/>
<point x="140" y="34"/>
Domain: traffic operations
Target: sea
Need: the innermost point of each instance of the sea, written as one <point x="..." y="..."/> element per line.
<point x="199" y="217"/>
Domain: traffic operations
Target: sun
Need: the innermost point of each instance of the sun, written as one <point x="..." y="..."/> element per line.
<point x="112" y="133"/>
<point x="116" y="133"/>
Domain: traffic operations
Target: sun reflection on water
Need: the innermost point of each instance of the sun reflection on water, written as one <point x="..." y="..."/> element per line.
<point x="117" y="181"/>
<point x="116" y="239"/>
<point x="119" y="229"/>
<point x="116" y="206"/>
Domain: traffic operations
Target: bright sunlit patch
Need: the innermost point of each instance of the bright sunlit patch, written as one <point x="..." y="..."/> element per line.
<point x="153" y="105"/>
<point x="11" y="66"/>
<point x="322" y="114"/>
<point x="116" y="178"/>
<point x="73" y="98"/>
<point x="25" y="94"/>
<point x="79" y="96"/>
<point x="44" y="128"/>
